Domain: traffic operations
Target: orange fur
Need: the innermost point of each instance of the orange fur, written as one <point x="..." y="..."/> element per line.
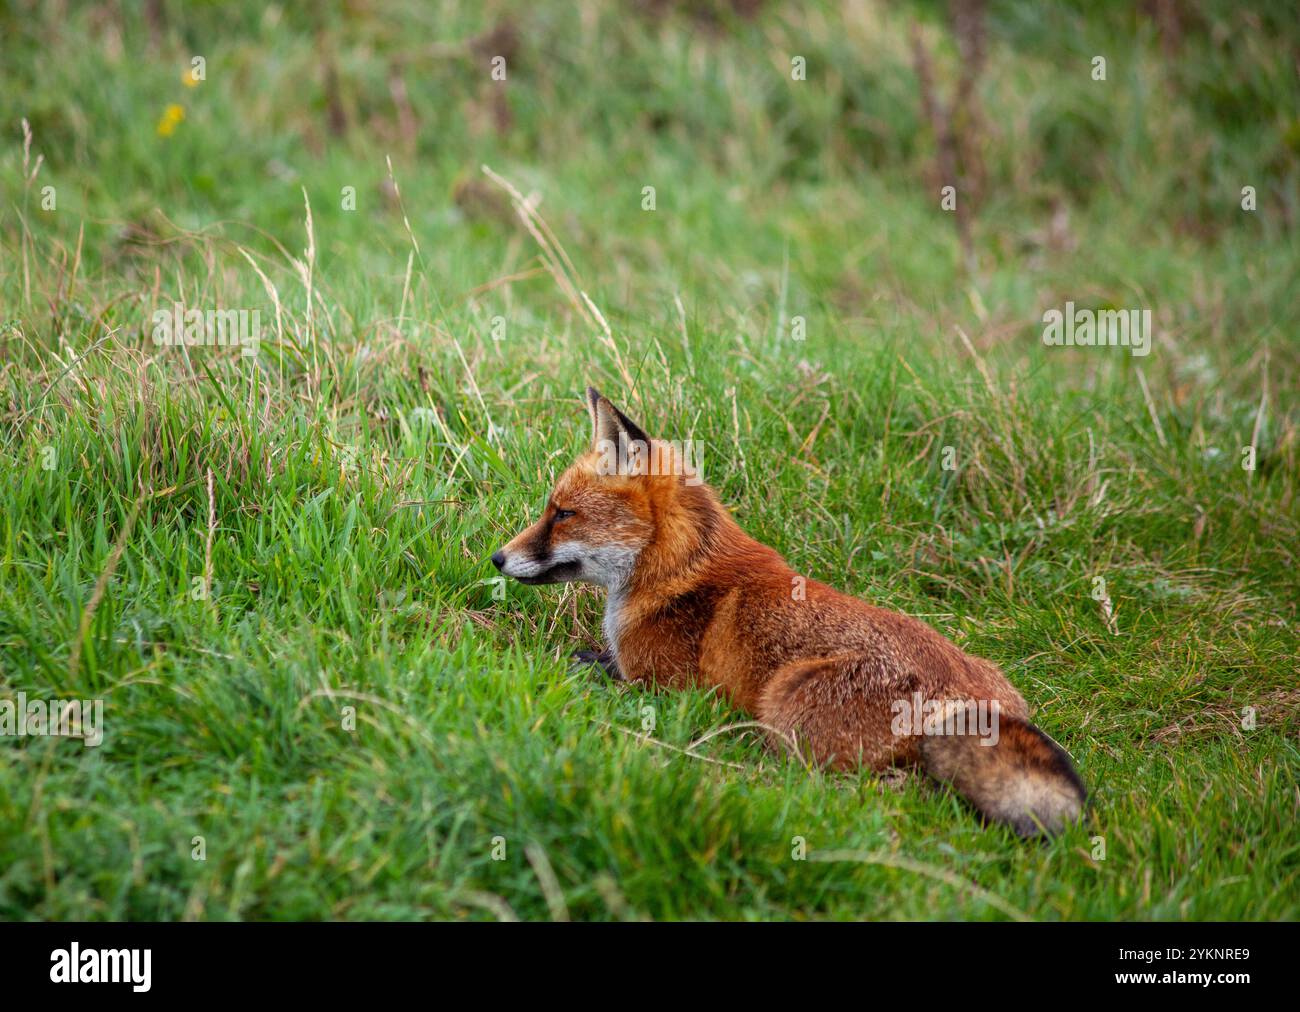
<point x="703" y="604"/>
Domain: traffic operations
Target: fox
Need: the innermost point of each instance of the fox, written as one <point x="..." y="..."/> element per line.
<point x="692" y="601"/>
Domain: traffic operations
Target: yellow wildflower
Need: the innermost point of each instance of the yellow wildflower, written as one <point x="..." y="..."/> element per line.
<point x="171" y="118"/>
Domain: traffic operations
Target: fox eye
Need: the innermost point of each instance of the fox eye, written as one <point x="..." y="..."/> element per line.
<point x="563" y="514"/>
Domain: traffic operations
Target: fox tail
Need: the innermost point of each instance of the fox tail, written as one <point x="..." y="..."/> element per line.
<point x="1025" y="780"/>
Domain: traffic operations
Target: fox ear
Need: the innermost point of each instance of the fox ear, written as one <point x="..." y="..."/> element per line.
<point x="607" y="422"/>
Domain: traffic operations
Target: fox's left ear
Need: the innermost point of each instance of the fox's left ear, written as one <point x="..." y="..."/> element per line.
<point x="607" y="422"/>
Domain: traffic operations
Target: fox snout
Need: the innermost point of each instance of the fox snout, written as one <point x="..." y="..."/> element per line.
<point x="537" y="567"/>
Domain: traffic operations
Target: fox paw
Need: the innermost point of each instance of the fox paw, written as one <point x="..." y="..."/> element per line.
<point x="602" y="660"/>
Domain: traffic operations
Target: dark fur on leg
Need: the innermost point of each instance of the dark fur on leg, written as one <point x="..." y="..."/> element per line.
<point x="602" y="661"/>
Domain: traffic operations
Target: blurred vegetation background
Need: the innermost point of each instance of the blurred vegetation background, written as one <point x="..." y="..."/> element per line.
<point x="1057" y="172"/>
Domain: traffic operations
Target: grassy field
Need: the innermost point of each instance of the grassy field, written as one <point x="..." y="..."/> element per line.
<point x="273" y="568"/>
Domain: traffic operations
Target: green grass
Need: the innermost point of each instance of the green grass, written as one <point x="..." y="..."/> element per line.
<point x="382" y="444"/>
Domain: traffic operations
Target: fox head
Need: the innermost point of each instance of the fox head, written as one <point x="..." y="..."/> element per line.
<point x="605" y="512"/>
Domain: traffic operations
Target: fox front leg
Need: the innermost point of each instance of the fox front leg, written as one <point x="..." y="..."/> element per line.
<point x="602" y="660"/>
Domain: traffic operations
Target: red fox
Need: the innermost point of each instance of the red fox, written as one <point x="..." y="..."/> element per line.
<point x="694" y="601"/>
